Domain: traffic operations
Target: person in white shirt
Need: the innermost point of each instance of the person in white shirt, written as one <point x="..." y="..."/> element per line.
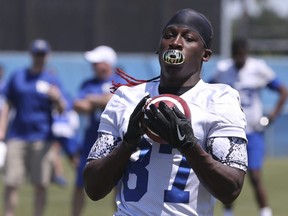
<point x="183" y="175"/>
<point x="250" y="76"/>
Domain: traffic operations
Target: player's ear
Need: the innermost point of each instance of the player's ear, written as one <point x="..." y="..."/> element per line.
<point x="207" y="54"/>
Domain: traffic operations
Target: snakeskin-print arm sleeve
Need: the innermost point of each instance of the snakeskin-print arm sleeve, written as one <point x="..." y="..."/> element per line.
<point x="103" y="146"/>
<point x="231" y="151"/>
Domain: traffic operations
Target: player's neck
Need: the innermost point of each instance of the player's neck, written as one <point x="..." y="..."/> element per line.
<point x="174" y="90"/>
<point x="35" y="69"/>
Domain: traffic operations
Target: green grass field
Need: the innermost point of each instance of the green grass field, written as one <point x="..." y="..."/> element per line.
<point x="275" y="175"/>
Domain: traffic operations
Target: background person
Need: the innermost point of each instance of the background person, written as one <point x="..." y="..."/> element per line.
<point x="2" y="83"/>
<point x="250" y="76"/>
<point x="33" y="92"/>
<point x="2" y="86"/>
<point x="203" y="158"/>
<point x="64" y="128"/>
<point x="3" y="147"/>
<point x="92" y="98"/>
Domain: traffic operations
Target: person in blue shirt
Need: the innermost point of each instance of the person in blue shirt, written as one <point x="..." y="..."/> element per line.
<point x="92" y="98"/>
<point x="33" y="93"/>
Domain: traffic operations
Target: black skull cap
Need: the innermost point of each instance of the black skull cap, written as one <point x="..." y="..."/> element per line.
<point x="195" y="21"/>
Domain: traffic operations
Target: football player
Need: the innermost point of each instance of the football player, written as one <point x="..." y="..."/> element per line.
<point x="203" y="158"/>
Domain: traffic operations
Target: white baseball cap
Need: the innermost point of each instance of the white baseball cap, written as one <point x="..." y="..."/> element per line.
<point x="101" y="54"/>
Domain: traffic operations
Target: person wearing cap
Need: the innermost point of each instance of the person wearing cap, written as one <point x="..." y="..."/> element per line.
<point x="33" y="92"/>
<point x="92" y="98"/>
<point x="201" y="159"/>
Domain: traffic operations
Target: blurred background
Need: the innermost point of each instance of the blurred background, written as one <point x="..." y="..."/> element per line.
<point x="133" y="29"/>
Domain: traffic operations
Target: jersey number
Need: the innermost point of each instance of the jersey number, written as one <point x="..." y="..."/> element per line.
<point x="137" y="169"/>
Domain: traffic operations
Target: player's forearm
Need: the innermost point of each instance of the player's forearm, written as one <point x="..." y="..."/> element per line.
<point x="99" y="101"/>
<point x="101" y="175"/>
<point x="83" y="106"/>
<point x="60" y="105"/>
<point x="222" y="181"/>
<point x="283" y="94"/>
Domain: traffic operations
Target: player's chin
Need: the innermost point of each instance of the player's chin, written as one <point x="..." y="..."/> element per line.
<point x="169" y="64"/>
<point x="172" y="69"/>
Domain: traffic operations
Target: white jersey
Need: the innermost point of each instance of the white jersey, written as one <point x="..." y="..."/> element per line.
<point x="158" y="180"/>
<point x="249" y="81"/>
